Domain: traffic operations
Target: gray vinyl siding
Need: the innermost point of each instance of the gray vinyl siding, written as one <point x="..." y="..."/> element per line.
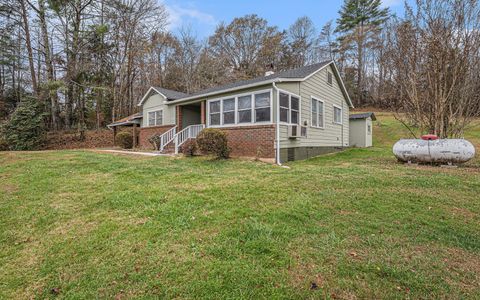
<point x="156" y="102"/>
<point x="317" y="86"/>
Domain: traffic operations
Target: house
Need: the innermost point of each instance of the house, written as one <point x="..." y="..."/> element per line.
<point x="284" y="116"/>
<point x="361" y="129"/>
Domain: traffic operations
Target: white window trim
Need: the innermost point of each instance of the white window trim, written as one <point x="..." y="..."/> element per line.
<point x="290" y="109"/>
<point x="341" y="115"/>
<point x="236" y="96"/>
<point x="323" y="112"/>
<point x="154" y="111"/>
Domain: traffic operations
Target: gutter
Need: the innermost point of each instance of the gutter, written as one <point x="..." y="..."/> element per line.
<point x="277" y="124"/>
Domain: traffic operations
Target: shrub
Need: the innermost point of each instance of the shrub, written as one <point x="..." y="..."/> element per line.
<point x="124" y="140"/>
<point x="189" y="148"/>
<point x="25" y="129"/>
<point x="213" y="141"/>
<point x="155" y="141"/>
<point x="3" y="144"/>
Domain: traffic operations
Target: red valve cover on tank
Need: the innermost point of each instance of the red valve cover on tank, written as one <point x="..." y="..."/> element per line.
<point x="429" y="137"/>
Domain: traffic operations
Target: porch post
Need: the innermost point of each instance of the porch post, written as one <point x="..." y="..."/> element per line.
<point x="179" y="118"/>
<point x="134" y="135"/>
<point x="202" y="112"/>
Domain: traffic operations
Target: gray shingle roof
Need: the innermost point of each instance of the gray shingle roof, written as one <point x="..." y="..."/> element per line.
<point x="171" y="95"/>
<point x="299" y="73"/>
<point x="363" y="116"/>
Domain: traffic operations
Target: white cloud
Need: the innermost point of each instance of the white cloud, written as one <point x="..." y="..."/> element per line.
<point x="388" y="3"/>
<point x="178" y="15"/>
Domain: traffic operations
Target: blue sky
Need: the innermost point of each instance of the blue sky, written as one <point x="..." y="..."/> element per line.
<point x="204" y="15"/>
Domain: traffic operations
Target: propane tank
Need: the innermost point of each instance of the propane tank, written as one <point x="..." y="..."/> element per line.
<point x="431" y="150"/>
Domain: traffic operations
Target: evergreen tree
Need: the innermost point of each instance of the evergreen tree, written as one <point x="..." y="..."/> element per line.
<point x="359" y="22"/>
<point x="25" y="130"/>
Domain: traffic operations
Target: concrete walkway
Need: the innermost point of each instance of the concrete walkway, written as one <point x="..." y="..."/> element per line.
<point x="134" y="152"/>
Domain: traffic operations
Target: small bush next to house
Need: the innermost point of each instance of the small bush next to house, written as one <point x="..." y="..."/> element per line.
<point x="25" y="129"/>
<point x="213" y="141"/>
<point x="189" y="148"/>
<point x="124" y="139"/>
<point x="155" y="141"/>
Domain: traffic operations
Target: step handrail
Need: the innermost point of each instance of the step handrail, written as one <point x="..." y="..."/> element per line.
<point x="189" y="132"/>
<point x="167" y="137"/>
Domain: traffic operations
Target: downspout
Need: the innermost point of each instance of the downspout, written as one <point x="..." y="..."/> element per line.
<point x="277" y="124"/>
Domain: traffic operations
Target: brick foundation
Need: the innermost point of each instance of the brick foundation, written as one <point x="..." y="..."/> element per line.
<point x="147" y="132"/>
<point x="252" y="141"/>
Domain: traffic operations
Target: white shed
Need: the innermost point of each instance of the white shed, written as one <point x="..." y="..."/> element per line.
<point x="361" y="129"/>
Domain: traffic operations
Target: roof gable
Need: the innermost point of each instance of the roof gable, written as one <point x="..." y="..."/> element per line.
<point x="169" y="95"/>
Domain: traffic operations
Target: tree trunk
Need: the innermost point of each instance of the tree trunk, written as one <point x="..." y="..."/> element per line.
<point x="49" y="64"/>
<point x="28" y="42"/>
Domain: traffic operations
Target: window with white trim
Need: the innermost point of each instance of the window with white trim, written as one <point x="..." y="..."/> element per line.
<point x="262" y="107"/>
<point x="245" y="109"/>
<point x="155" y="118"/>
<point x="289" y="108"/>
<point x="240" y="109"/>
<point x="318" y="116"/>
<point x="228" y="109"/>
<point x="337" y="115"/>
<point x="214" y="112"/>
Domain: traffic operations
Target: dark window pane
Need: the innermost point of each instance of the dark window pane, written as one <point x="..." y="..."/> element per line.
<point x="215" y="119"/>
<point x="262" y="114"/>
<point x="245" y="116"/>
<point x="229" y="117"/>
<point x="215" y="106"/>
<point x="314" y="105"/>
<point x="294" y="117"/>
<point x="295" y="103"/>
<point x="262" y="100"/>
<point x="314" y="119"/>
<point x="330" y="78"/>
<point x="284" y="100"/>
<point x="244" y="102"/>
<point x="229" y="104"/>
<point x="320" y="120"/>
<point x="159" y="120"/>
<point x="320" y="107"/>
<point x="151" y="119"/>
<point x="283" y="114"/>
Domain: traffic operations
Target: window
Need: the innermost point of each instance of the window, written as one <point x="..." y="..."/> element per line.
<point x="214" y="112"/>
<point x="337" y="115"/>
<point x="329" y="78"/>
<point x="155" y="118"/>
<point x="262" y="107"/>
<point x="289" y="108"/>
<point x="242" y="109"/>
<point x="245" y="109"/>
<point x="317" y="113"/>
<point x="369" y="129"/>
<point x="229" y="111"/>
<point x="151" y="118"/>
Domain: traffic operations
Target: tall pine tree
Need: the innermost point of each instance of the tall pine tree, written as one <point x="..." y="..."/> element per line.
<point x="359" y="22"/>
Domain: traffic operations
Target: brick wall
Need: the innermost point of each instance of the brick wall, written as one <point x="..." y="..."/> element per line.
<point x="252" y="141"/>
<point x="147" y="132"/>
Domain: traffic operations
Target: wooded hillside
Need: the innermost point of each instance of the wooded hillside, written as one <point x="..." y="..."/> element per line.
<point x="89" y="62"/>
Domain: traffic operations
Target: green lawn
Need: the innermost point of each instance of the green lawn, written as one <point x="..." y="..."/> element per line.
<point x="357" y="224"/>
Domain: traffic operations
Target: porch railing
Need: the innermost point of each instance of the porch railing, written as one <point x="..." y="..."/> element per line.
<point x="189" y="132"/>
<point x="167" y="137"/>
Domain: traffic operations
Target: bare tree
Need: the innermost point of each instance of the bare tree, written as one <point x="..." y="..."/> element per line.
<point x="436" y="56"/>
<point x="302" y="37"/>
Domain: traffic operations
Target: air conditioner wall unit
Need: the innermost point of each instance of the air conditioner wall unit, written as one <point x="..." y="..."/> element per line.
<point x="297" y="131"/>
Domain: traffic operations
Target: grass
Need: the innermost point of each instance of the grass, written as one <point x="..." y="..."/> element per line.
<point x="357" y="224"/>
